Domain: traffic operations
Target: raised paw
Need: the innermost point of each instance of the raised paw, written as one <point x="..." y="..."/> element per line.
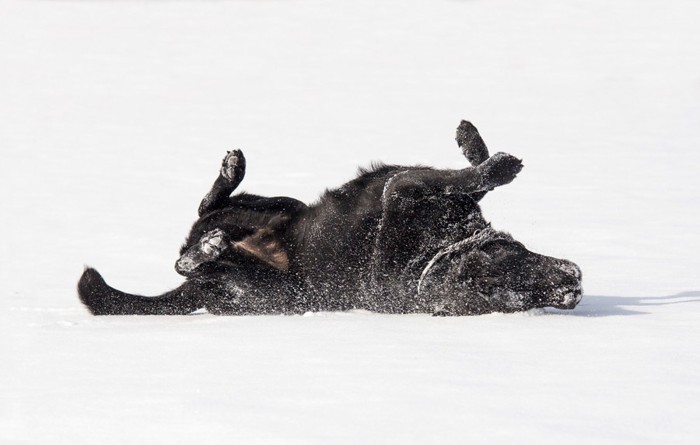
<point x="499" y="169"/>
<point x="233" y="166"/>
<point x="212" y="243"/>
<point x="207" y="249"/>
<point x="471" y="143"/>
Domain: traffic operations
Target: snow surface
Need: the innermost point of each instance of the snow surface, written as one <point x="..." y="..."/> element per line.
<point x="114" y="116"/>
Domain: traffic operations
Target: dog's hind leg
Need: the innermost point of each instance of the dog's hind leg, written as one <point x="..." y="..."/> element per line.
<point x="102" y="299"/>
<point x="473" y="147"/>
<point x="230" y="176"/>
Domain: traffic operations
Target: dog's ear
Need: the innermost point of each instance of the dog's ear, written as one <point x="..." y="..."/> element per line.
<point x="264" y="245"/>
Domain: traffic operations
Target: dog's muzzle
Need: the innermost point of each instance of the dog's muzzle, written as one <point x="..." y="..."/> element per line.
<point x="567" y="285"/>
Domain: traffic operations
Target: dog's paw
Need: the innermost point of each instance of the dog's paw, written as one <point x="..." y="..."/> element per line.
<point x="208" y="249"/>
<point x="499" y="169"/>
<point x="213" y="243"/>
<point x="233" y="166"/>
<point x="471" y="143"/>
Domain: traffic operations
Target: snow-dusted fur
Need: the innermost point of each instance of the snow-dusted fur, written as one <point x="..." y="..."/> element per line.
<point x="395" y="239"/>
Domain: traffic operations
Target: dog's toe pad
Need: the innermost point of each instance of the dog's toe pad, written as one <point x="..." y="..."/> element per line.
<point x="233" y="165"/>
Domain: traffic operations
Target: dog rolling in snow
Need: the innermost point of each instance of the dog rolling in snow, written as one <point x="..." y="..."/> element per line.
<point x="395" y="239"/>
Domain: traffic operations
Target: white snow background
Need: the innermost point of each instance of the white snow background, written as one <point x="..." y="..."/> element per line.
<point x="114" y="116"/>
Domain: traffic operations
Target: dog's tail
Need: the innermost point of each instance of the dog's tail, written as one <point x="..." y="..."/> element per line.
<point x="101" y="299"/>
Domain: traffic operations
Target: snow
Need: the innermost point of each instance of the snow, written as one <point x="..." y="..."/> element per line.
<point x="114" y="116"/>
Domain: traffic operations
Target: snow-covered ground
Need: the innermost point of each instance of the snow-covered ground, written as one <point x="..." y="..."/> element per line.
<point x="114" y="116"/>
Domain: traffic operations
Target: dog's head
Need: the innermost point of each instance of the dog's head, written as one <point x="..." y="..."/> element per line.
<point x="490" y="271"/>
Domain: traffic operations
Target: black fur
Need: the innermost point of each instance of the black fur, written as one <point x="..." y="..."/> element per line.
<point x="395" y="239"/>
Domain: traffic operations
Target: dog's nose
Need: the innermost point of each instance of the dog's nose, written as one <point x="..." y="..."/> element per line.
<point x="568" y="298"/>
<point x="568" y="281"/>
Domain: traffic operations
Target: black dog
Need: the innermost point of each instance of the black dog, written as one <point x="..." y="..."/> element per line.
<point x="395" y="239"/>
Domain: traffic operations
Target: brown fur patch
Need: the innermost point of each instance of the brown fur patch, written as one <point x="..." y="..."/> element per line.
<point x="263" y="245"/>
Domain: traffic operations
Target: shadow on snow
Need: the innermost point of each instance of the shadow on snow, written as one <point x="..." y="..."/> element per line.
<point x="604" y="306"/>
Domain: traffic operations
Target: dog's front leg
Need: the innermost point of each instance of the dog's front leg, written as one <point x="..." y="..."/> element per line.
<point x="473" y="148"/>
<point x="230" y="176"/>
<point x="472" y="145"/>
<point x="208" y="249"/>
